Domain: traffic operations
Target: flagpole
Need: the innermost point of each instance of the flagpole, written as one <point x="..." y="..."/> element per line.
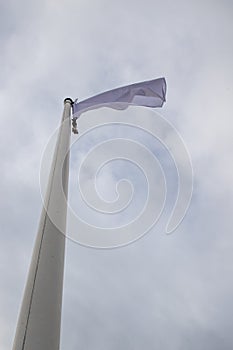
<point x="38" y="326"/>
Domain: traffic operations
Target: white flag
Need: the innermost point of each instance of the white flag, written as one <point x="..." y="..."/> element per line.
<point x="148" y="93"/>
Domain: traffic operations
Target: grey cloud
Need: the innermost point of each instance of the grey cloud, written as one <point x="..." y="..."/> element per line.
<point x="170" y="292"/>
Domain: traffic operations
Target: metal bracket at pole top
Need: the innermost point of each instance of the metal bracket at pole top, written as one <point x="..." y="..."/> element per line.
<point x="73" y="120"/>
<point x="68" y="99"/>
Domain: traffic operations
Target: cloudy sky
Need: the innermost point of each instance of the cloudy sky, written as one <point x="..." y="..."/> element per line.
<point x="168" y="292"/>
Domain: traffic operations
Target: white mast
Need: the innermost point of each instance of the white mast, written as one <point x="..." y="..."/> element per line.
<point x="39" y="321"/>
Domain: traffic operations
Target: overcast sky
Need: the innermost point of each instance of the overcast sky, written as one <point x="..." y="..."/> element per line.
<point x="168" y="292"/>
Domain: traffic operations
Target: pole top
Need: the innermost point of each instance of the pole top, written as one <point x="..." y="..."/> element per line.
<point x="68" y="100"/>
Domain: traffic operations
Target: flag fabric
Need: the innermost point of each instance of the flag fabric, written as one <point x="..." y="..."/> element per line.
<point x="150" y="93"/>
